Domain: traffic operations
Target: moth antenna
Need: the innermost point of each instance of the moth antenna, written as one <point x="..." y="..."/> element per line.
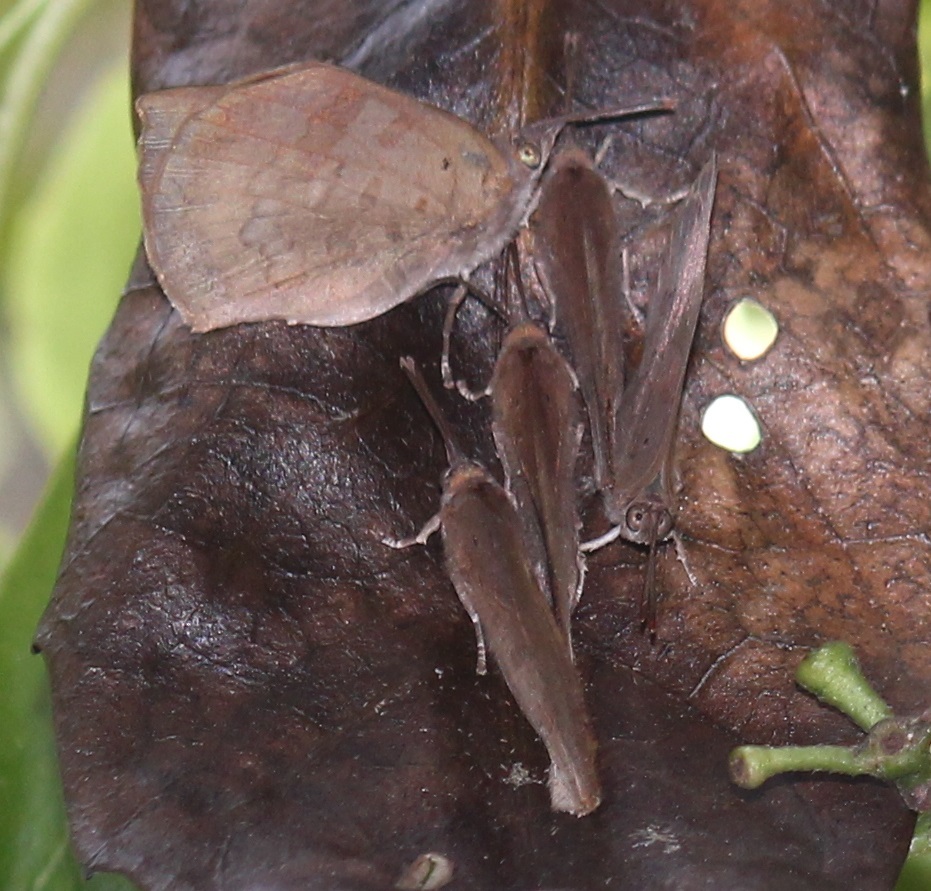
<point x="648" y="604"/>
<point x="647" y="106"/>
<point x="648" y="601"/>
<point x="454" y="453"/>
<point x="571" y="54"/>
<point x="547" y="129"/>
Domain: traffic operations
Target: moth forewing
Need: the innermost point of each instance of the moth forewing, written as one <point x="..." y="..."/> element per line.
<point x="488" y="564"/>
<point x="649" y="409"/>
<point x="537" y="430"/>
<point x="483" y="544"/>
<point x="577" y="256"/>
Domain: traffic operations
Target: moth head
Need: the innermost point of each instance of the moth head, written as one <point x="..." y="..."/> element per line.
<point x="528" y="153"/>
<point x="534" y="143"/>
<point x="647" y="520"/>
<point x="532" y="146"/>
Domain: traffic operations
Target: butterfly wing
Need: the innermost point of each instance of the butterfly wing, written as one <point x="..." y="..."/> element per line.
<point x="315" y="196"/>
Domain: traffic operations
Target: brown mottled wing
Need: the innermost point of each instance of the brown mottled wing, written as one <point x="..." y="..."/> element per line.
<point x="536" y="424"/>
<point x="576" y="248"/>
<point x="483" y="543"/>
<point x="649" y="409"/>
<point x="315" y="196"/>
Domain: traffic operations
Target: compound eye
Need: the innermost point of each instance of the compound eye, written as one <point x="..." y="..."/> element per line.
<point x="648" y="521"/>
<point x="636" y="518"/>
<point x="529" y="155"/>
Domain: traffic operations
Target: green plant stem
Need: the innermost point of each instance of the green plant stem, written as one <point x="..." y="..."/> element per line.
<point x="751" y="766"/>
<point x="833" y="674"/>
<point x="916" y="872"/>
<point x="896" y="750"/>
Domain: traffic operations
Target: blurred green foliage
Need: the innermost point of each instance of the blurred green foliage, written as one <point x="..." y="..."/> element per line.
<point x="68" y="228"/>
<point x="71" y="245"/>
<point x="69" y="224"/>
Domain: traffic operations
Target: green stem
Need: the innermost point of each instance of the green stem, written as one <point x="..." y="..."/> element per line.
<point x="921" y="840"/>
<point x="895" y="749"/>
<point x="751" y="766"/>
<point x="833" y="674"/>
<point x="916" y="871"/>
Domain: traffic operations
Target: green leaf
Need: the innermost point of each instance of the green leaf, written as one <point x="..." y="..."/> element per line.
<point x="70" y="250"/>
<point x="924" y="59"/>
<point x="34" y="851"/>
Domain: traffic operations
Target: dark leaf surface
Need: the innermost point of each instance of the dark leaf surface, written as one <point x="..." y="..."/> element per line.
<point x="251" y="691"/>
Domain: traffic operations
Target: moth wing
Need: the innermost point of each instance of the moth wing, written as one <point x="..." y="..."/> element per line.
<point x="536" y="426"/>
<point x="315" y="196"/>
<point x="575" y="236"/>
<point x="487" y="564"/>
<point x="649" y="409"/>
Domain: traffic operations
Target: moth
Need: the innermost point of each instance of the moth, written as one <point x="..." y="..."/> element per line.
<point x="485" y="554"/>
<point x="313" y="195"/>
<point x="633" y="418"/>
<point x="537" y="427"/>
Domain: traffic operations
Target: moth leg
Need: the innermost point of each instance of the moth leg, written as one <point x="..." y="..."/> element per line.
<point x="630" y="192"/>
<point x="596" y="544"/>
<point x="643" y="198"/>
<point x="603" y="149"/>
<point x="449" y="382"/>
<point x="452" y="309"/>
<point x="421" y="538"/>
<point x="683" y="558"/>
<point x="544" y="299"/>
<point x="577" y="595"/>
<point x="625" y="287"/>
<point x="481" y="658"/>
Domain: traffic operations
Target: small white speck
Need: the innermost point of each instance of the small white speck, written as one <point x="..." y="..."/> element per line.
<point x="654" y="835"/>
<point x="519" y="776"/>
